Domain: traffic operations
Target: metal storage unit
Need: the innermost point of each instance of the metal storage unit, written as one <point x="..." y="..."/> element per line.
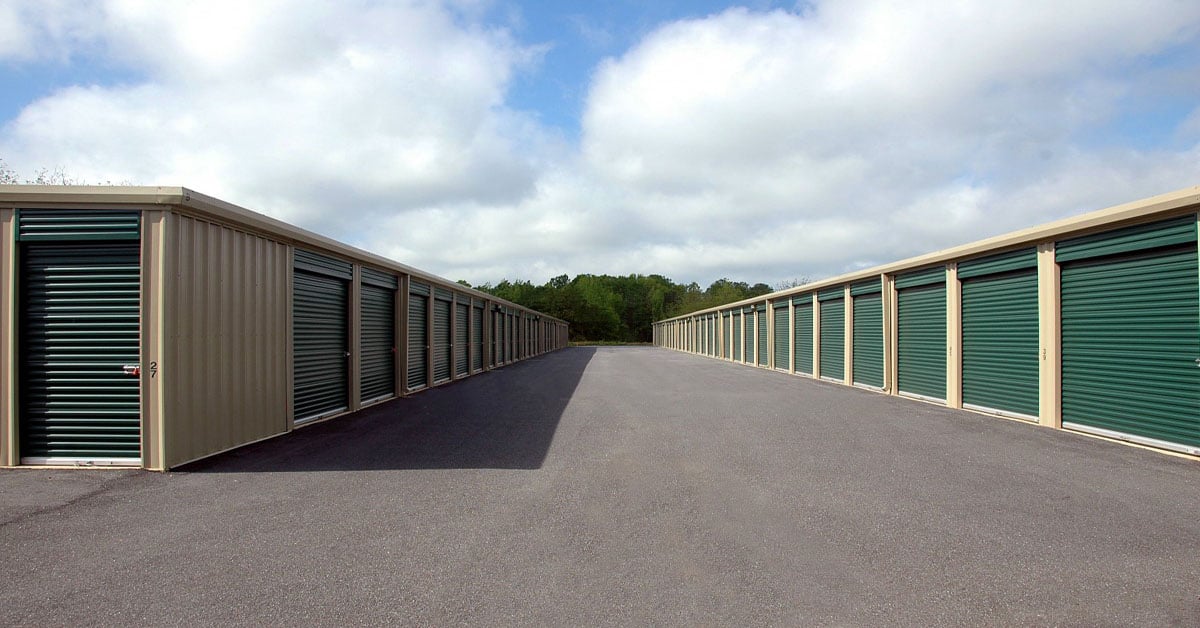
<point x="1000" y="333"/>
<point x="761" y="320"/>
<point x="867" y="343"/>
<point x="833" y="333"/>
<point x="320" y="335"/>
<point x="737" y="336"/>
<point x="79" y="308"/>
<point x="921" y="333"/>
<point x="803" y="330"/>
<point x="783" y="326"/>
<point x="727" y="326"/>
<point x="377" y="351"/>
<point x="462" y="319"/>
<point x="418" y="335"/>
<point x="1131" y="334"/>
<point x="443" y="335"/>
<point x="748" y="338"/>
<point x="477" y="338"/>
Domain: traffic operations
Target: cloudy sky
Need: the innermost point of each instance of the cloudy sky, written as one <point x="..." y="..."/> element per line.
<point x="483" y="139"/>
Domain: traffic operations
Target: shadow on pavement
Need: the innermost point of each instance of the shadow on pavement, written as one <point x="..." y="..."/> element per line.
<point x="503" y="419"/>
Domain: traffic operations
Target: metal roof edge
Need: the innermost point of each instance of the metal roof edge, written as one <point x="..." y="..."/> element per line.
<point x="1110" y="217"/>
<point x="223" y="211"/>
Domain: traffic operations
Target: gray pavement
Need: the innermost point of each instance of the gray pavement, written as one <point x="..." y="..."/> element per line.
<point x="621" y="487"/>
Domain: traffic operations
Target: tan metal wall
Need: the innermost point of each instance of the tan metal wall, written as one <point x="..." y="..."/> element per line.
<point x="8" y="330"/>
<point x="225" y="362"/>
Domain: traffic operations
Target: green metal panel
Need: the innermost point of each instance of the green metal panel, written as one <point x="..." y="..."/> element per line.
<point x="1178" y="231"/>
<point x="318" y="264"/>
<point x="833" y="338"/>
<point x="477" y="338"/>
<point x="1003" y="263"/>
<point x="79" y="319"/>
<point x="737" y="337"/>
<point x="320" y="372"/>
<point x="1130" y="341"/>
<point x="748" y="338"/>
<point x="922" y="341"/>
<point x="379" y="278"/>
<point x="727" y="328"/>
<point x="803" y="330"/>
<point x="443" y="340"/>
<point x="34" y="225"/>
<point x="868" y="339"/>
<point x="418" y="338"/>
<point x="867" y="286"/>
<point x="1000" y="342"/>
<point x="377" y="355"/>
<point x="934" y="275"/>
<point x="829" y="294"/>
<point x="762" y="349"/>
<point x="783" y="327"/>
<point x="461" y="339"/>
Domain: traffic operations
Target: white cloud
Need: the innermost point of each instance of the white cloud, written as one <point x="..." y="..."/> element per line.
<point x="758" y="146"/>
<point x="315" y="112"/>
<point x="863" y="132"/>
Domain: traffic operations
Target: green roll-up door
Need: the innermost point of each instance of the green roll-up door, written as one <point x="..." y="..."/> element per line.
<point x="495" y="323"/>
<point x="727" y="329"/>
<point x="378" y="342"/>
<point x="833" y="338"/>
<point x="443" y="340"/>
<point x="783" y="327"/>
<point x="761" y="352"/>
<point x="803" y="330"/>
<point x="921" y="338"/>
<point x="748" y="337"/>
<point x="418" y="336"/>
<point x="1131" y="336"/>
<point x="737" y="337"/>
<point x="461" y="339"/>
<point x="868" y="339"/>
<point x="477" y="339"/>
<point x="320" y="340"/>
<point x="1000" y="333"/>
<point x="79" y="318"/>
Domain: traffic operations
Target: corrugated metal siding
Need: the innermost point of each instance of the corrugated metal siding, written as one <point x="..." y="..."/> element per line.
<point x="1167" y="233"/>
<point x="762" y="348"/>
<point x="993" y="264"/>
<point x="748" y="338"/>
<point x="477" y="338"/>
<point x="320" y="372"/>
<point x="77" y="224"/>
<point x="418" y="338"/>
<point x="80" y="308"/>
<point x="936" y="274"/>
<point x="738" y="332"/>
<point x="1000" y="342"/>
<point x="783" y="326"/>
<point x="323" y="265"/>
<point x="225" y="369"/>
<point x="1130" y="341"/>
<point x="833" y="338"/>
<point x="869" y="286"/>
<point x="804" y="337"/>
<point x="921" y="341"/>
<point x="442" y="340"/>
<point x="461" y="339"/>
<point x="727" y="327"/>
<point x="379" y="278"/>
<point x="868" y="339"/>
<point x="377" y="359"/>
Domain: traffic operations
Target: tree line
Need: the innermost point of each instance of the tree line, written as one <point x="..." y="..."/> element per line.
<point x="605" y="308"/>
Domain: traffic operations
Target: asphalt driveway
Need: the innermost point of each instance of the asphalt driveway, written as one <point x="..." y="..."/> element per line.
<point x="621" y="486"/>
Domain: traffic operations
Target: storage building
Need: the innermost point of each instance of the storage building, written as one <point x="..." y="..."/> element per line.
<point x="151" y="327"/>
